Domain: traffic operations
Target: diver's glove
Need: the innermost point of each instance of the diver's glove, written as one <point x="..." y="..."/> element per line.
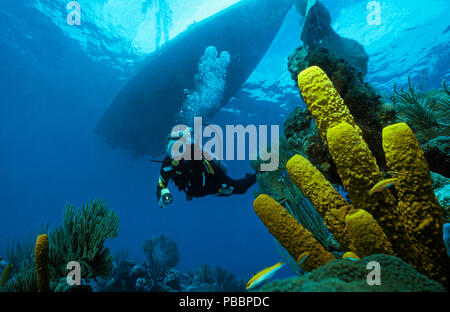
<point x="166" y="198"/>
<point x="225" y="190"/>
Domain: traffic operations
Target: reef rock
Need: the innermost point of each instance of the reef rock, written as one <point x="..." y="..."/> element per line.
<point x="446" y="229"/>
<point x="437" y="154"/>
<point x="345" y="275"/>
<point x="317" y="32"/>
<point x="443" y="196"/>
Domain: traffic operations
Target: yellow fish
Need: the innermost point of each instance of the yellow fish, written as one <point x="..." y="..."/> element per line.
<point x="350" y="256"/>
<point x="263" y="275"/>
<point x="386" y="182"/>
<point x="302" y="258"/>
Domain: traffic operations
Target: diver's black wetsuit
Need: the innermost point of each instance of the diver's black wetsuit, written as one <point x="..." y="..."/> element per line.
<point x="198" y="178"/>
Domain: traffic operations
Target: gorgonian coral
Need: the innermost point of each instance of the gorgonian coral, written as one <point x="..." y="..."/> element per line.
<point x="81" y="238"/>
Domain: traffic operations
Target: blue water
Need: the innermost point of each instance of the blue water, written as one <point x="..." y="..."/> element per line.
<point x="57" y="80"/>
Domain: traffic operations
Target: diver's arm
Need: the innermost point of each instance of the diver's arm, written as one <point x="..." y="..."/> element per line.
<point x="163" y="195"/>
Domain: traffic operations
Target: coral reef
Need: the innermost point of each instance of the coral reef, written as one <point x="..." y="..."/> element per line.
<point x="41" y="261"/>
<point x="130" y="277"/>
<point x="409" y="226"/>
<point x="80" y="238"/>
<point x="207" y="279"/>
<point x="154" y="275"/>
<point x="226" y="281"/>
<point x="345" y="275"/>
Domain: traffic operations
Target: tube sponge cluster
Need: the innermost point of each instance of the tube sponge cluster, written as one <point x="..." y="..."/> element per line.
<point x="410" y="226"/>
<point x="354" y="161"/>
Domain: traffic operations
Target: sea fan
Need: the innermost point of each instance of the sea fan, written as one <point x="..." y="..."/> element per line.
<point x="417" y="109"/>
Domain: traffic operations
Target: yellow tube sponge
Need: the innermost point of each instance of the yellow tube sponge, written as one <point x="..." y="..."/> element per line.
<point x="359" y="171"/>
<point x="323" y="101"/>
<point x="322" y="195"/>
<point x="41" y="261"/>
<point x="416" y="199"/>
<point x="292" y="235"/>
<point x="366" y="235"/>
<point x="355" y="163"/>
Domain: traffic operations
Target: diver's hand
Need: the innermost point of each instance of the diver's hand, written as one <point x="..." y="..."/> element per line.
<point x="165" y="200"/>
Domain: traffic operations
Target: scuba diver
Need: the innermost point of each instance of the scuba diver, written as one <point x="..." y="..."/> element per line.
<point x="197" y="178"/>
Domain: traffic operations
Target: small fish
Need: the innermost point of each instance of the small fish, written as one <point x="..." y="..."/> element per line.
<point x="350" y="256"/>
<point x="382" y="185"/>
<point x="395" y="173"/>
<point x="302" y="258"/>
<point x="263" y="275"/>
